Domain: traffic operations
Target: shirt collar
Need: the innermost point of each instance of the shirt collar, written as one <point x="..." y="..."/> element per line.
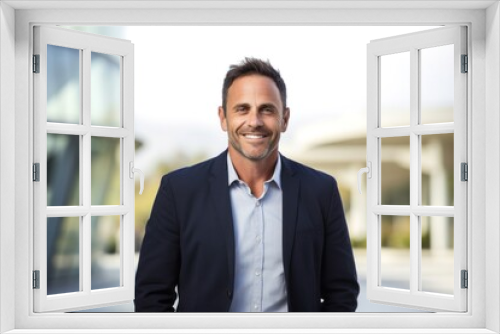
<point x="233" y="176"/>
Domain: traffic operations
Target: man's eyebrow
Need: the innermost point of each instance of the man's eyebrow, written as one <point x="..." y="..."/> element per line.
<point x="268" y="105"/>
<point x="244" y="104"/>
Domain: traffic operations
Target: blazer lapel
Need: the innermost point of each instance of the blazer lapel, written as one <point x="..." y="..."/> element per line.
<point x="290" y="185"/>
<point x="219" y="193"/>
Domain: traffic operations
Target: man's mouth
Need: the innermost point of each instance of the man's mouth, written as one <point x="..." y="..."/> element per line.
<point x="254" y="135"/>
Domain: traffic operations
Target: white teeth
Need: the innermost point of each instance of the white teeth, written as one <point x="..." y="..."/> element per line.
<point x="254" y="136"/>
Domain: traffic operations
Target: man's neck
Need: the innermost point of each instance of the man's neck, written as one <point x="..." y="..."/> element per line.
<point x="254" y="173"/>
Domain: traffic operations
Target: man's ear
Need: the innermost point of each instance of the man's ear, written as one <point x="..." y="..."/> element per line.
<point x="286" y="117"/>
<point x="222" y="118"/>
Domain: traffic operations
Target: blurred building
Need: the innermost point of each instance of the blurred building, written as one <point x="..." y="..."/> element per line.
<point x="338" y="147"/>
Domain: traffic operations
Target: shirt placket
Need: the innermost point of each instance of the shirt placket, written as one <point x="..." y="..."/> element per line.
<point x="259" y="252"/>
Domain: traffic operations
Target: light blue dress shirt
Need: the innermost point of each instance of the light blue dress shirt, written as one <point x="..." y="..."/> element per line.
<point x="259" y="278"/>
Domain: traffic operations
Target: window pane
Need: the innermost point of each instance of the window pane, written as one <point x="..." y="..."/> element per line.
<point x="105" y="89"/>
<point x="63" y="85"/>
<point x="436" y="84"/>
<point x="63" y="170"/>
<point x="105" y="171"/>
<point x="395" y="252"/>
<point x="437" y="254"/>
<point x="105" y="252"/>
<point x="395" y="170"/>
<point x="395" y="89"/>
<point x="437" y="169"/>
<point x="63" y="255"/>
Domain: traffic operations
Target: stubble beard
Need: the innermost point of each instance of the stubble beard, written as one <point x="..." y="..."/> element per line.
<point x="266" y="153"/>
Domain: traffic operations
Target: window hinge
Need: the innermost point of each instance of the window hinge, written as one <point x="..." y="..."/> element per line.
<point x="465" y="64"/>
<point x="36" y="172"/>
<point x="36" y="279"/>
<point x="464" y="172"/>
<point x="36" y="63"/>
<point x="465" y="279"/>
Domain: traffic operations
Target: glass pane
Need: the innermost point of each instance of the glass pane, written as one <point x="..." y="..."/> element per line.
<point x="395" y="90"/>
<point x="437" y="254"/>
<point x="105" y="252"/>
<point x="437" y="169"/>
<point x="437" y="84"/>
<point x="395" y="170"/>
<point x="63" y="255"/>
<point x="105" y="171"/>
<point x="105" y="89"/>
<point x="63" y="85"/>
<point x="395" y="252"/>
<point x="63" y="170"/>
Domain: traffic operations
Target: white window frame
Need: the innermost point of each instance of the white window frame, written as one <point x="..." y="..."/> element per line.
<point x="483" y="20"/>
<point x="412" y="44"/>
<point x="86" y="44"/>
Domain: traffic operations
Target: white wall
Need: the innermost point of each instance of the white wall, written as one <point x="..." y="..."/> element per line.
<point x="7" y="117"/>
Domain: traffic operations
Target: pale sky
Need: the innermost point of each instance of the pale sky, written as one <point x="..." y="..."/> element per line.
<point x="179" y="72"/>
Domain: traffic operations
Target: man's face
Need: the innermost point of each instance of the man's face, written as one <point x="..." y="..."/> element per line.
<point x="254" y="117"/>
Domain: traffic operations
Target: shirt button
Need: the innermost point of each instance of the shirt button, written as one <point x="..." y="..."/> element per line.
<point x="257" y="203"/>
<point x="258" y="239"/>
<point x="257" y="273"/>
<point x="255" y="307"/>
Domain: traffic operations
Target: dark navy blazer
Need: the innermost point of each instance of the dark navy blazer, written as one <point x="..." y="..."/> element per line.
<point x="189" y="243"/>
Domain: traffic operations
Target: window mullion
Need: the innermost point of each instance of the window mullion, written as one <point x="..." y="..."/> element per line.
<point x="82" y="202"/>
<point x="85" y="246"/>
<point x="128" y="184"/>
<point x="108" y="210"/>
<point x="434" y="129"/>
<point x="414" y="171"/>
<point x="372" y="184"/>
<point x="79" y="130"/>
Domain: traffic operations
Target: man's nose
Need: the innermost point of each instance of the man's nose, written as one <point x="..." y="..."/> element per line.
<point x="255" y="119"/>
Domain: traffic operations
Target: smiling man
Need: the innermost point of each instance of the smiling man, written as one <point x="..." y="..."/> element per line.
<point x="249" y="230"/>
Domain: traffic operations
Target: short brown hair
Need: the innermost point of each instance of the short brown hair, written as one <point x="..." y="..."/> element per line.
<point x="253" y="66"/>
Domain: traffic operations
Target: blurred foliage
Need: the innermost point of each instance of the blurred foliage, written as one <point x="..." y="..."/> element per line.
<point x="395" y="232"/>
<point x="111" y="245"/>
<point x="358" y="242"/>
<point x="144" y="202"/>
<point x="397" y="194"/>
<point x="345" y="195"/>
<point x="426" y="240"/>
